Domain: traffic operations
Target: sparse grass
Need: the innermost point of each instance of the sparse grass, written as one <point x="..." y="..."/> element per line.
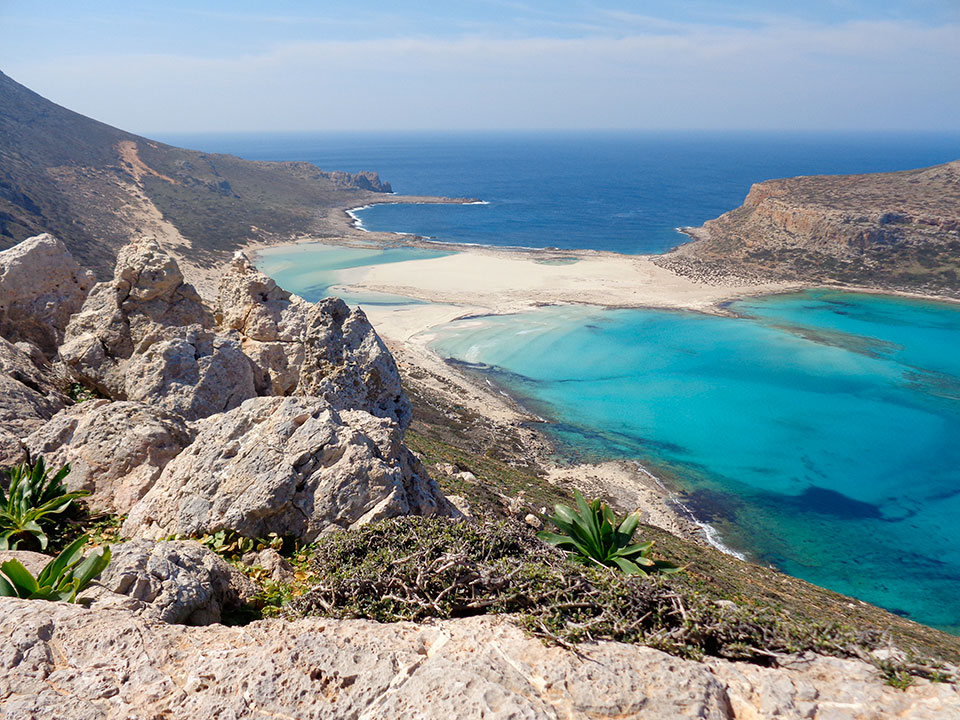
<point x="499" y="482"/>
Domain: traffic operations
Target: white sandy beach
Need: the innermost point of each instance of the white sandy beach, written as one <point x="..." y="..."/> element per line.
<point x="485" y="280"/>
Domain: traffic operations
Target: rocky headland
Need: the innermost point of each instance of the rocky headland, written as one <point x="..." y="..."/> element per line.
<point x="896" y="231"/>
<point x="260" y="415"/>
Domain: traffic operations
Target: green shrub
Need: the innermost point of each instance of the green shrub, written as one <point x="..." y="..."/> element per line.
<point x="32" y="496"/>
<point x="61" y="579"/>
<point x="591" y="535"/>
<point x="416" y="568"/>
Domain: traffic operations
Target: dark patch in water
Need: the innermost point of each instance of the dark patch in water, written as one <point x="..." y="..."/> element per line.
<point x="823" y="501"/>
<point x="711" y="506"/>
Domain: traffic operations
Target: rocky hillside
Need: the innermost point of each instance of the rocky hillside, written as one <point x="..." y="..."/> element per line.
<point x="266" y="420"/>
<point x="96" y="188"/>
<point x="897" y="230"/>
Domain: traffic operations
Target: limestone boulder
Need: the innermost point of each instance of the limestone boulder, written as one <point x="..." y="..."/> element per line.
<point x="29" y="396"/>
<point x="292" y="466"/>
<point x="65" y="662"/>
<point x="319" y="349"/>
<point x="146" y="335"/>
<point x="41" y="286"/>
<point x="177" y="581"/>
<point x="116" y="450"/>
<point x="33" y="561"/>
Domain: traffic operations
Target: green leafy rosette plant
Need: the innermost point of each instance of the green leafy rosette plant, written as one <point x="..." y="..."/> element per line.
<point x="61" y="579"/>
<point x="229" y="543"/>
<point x="592" y="535"/>
<point x="31" y="497"/>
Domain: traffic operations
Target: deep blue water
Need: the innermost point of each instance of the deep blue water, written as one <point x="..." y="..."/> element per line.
<point x="625" y="192"/>
<point x="820" y="432"/>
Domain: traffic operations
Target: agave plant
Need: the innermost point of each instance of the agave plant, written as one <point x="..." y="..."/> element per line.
<point x="32" y="496"/>
<point x="591" y="534"/>
<point x="61" y="579"/>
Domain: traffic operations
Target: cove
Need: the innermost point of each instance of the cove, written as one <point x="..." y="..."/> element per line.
<point x="819" y="432"/>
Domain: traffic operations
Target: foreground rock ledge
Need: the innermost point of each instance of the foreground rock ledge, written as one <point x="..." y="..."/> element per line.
<point x="65" y="662"/>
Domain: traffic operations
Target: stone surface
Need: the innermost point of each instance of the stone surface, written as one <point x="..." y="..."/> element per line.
<point x="275" y="565"/>
<point x="116" y="450"/>
<point x="28" y="398"/>
<point x="41" y="286"/>
<point x="32" y="561"/>
<point x="292" y="466"/>
<point x="146" y="336"/>
<point x="177" y="581"/>
<point x="62" y="661"/>
<point x="319" y="349"/>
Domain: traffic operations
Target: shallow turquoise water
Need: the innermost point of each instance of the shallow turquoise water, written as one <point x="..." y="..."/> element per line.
<point x="311" y="269"/>
<point x="821" y="433"/>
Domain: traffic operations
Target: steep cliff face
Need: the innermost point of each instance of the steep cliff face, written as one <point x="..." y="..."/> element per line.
<point x="892" y="230"/>
<point x="97" y="187"/>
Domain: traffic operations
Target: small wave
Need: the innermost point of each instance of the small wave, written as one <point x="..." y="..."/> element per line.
<point x="710" y="533"/>
<point x="357" y="222"/>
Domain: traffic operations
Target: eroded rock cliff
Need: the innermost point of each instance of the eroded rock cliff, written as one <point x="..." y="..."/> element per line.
<point x="897" y="230"/>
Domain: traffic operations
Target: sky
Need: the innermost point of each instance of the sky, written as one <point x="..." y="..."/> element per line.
<point x="244" y="66"/>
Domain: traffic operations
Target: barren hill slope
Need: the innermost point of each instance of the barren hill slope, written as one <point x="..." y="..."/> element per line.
<point x="95" y="187"/>
<point x="897" y="230"/>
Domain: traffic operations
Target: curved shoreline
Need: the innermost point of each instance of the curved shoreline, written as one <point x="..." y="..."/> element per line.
<point x="458" y="286"/>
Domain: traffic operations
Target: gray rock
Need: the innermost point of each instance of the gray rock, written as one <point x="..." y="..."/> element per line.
<point x="178" y="582"/>
<point x="319" y="349"/>
<point x="116" y="450"/>
<point x="41" y="286"/>
<point x="62" y="661"/>
<point x="275" y="565"/>
<point x="146" y="336"/>
<point x="32" y="561"/>
<point x="291" y="466"/>
<point x="29" y="396"/>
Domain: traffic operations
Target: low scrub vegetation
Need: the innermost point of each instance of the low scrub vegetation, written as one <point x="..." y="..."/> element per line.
<point x="416" y="568"/>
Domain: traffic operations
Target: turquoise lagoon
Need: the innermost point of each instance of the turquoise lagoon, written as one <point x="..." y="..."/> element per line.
<point x="818" y="432"/>
<point x="312" y="270"/>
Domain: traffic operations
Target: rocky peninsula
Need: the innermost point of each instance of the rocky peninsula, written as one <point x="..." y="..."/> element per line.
<point x="897" y="231"/>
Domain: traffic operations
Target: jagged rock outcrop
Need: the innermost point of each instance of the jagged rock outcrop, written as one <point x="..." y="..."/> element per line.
<point x="897" y="230"/>
<point x="177" y="581"/>
<point x="62" y="661"/>
<point x="292" y="466"/>
<point x="41" y="286"/>
<point x="146" y="336"/>
<point x="319" y="349"/>
<point x="28" y="398"/>
<point x="116" y="450"/>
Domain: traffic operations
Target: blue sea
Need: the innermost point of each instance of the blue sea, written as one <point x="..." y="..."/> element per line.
<point x="818" y="432"/>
